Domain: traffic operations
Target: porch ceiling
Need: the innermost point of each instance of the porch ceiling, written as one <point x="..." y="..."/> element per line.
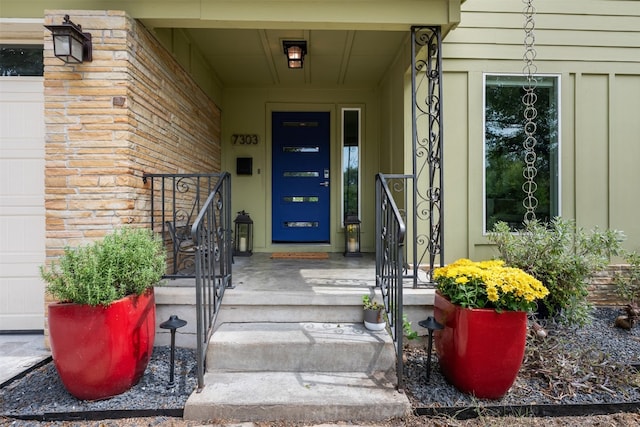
<point x="255" y="57"/>
<point x="350" y="43"/>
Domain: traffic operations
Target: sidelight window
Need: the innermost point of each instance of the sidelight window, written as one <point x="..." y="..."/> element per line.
<point x="351" y="122"/>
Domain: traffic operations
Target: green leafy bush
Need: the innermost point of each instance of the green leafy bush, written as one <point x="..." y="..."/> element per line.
<point x="128" y="261"/>
<point x="563" y="257"/>
<point x="628" y="284"/>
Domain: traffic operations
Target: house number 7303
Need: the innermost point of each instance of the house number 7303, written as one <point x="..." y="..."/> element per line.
<point x="244" y="139"/>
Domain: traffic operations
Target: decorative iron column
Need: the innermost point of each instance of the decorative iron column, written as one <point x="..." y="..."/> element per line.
<point x="426" y="85"/>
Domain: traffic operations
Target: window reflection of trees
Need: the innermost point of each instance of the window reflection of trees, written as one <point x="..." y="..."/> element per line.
<point x="504" y="152"/>
<point x="21" y="60"/>
<point x="351" y="161"/>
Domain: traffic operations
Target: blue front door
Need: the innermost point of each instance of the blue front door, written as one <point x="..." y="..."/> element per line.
<point x="300" y="185"/>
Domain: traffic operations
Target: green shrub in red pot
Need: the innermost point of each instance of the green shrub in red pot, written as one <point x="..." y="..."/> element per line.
<point x="102" y="329"/>
<point x="483" y="307"/>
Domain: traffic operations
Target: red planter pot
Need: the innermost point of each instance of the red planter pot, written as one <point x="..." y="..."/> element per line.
<point x="100" y="352"/>
<point x="480" y="351"/>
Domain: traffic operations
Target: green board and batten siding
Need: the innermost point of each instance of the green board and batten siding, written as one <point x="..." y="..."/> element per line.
<point x="594" y="46"/>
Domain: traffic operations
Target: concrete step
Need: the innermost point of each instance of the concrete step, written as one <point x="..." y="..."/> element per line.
<point x="298" y="372"/>
<point x="339" y="305"/>
<point x="288" y="345"/>
<point x="299" y="347"/>
<point x="311" y="305"/>
<point x="318" y="305"/>
<point x="297" y="397"/>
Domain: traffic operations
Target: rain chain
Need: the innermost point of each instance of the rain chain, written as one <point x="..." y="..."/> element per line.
<point x="529" y="99"/>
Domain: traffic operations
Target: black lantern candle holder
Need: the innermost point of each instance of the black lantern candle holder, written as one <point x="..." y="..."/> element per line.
<point x="243" y="237"/>
<point x="352" y="236"/>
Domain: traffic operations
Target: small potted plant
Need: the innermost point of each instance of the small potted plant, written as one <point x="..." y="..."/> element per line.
<point x="374" y="319"/>
<point x="102" y="329"/>
<point x="483" y="307"/>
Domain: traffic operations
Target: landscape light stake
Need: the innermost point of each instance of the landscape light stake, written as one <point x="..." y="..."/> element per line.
<point x="173" y="323"/>
<point x="432" y="325"/>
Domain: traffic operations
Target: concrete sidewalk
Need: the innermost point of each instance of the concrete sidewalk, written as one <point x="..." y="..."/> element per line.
<point x="19" y="353"/>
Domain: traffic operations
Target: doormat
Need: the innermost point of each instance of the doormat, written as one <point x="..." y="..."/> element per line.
<point x="300" y="255"/>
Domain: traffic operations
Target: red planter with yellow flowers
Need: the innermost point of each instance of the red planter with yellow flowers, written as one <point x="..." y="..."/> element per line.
<point x="480" y="350"/>
<point x="100" y="352"/>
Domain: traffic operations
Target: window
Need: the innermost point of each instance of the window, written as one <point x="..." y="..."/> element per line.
<point x="350" y="161"/>
<point x="504" y="151"/>
<point x="21" y="60"/>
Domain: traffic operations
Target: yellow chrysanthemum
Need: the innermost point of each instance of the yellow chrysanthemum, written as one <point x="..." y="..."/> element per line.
<point x="489" y="283"/>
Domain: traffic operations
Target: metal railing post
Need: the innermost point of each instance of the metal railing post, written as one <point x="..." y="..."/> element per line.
<point x="390" y="235"/>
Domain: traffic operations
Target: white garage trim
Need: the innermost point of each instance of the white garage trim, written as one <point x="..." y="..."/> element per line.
<point x="22" y="212"/>
<point x="21" y="30"/>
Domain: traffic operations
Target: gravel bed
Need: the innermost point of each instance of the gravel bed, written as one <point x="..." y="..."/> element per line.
<point x="40" y="393"/>
<point x="600" y="342"/>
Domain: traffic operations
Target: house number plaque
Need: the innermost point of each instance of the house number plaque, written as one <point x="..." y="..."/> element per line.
<point x="244" y="139"/>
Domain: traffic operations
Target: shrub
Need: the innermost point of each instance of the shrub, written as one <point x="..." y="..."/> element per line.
<point x="128" y="261"/>
<point x="563" y="257"/>
<point x="628" y="284"/>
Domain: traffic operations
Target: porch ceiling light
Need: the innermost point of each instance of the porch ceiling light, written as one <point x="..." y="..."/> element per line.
<point x="69" y="42"/>
<point x="295" y="50"/>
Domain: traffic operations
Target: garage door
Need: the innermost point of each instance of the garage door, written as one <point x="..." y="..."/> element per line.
<point x="22" y="214"/>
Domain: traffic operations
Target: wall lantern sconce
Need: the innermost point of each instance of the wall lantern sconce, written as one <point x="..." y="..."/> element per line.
<point x="243" y="242"/>
<point x="69" y="42"/>
<point x="352" y="236"/>
<point x="295" y="50"/>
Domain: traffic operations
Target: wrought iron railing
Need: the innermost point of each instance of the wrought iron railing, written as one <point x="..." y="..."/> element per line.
<point x="419" y="197"/>
<point x="427" y="236"/>
<point x="211" y="235"/>
<point x="193" y="212"/>
<point x="176" y="200"/>
<point x="399" y="188"/>
<point x="390" y="232"/>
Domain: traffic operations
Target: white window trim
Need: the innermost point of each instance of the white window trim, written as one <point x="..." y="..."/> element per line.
<point x="558" y="78"/>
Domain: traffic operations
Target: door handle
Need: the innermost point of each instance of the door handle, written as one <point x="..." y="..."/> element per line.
<point x="325" y="184"/>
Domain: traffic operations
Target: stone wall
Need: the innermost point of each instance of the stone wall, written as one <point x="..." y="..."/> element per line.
<point x="602" y="289"/>
<point x="132" y="110"/>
